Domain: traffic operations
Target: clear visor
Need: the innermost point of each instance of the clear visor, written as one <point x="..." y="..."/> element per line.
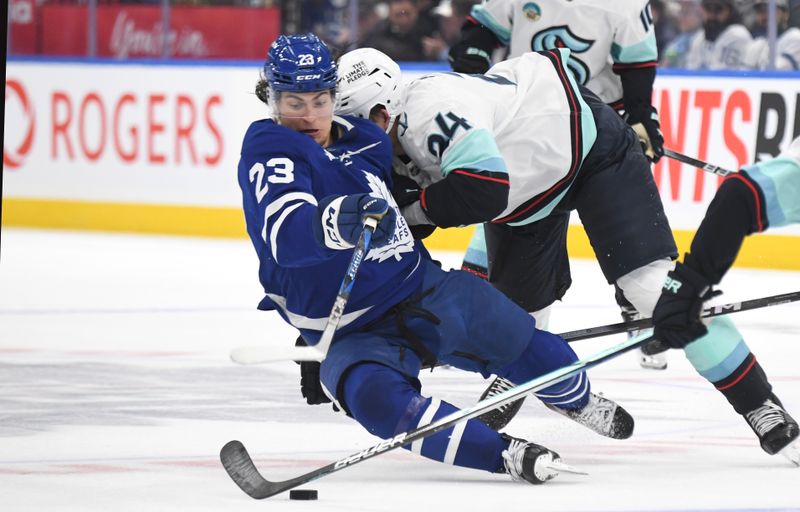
<point x="302" y="105"/>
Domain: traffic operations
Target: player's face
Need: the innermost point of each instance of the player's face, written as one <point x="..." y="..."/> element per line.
<point x="308" y="112"/>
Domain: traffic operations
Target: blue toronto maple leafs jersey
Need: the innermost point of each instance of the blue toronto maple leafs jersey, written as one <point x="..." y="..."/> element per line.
<point x="283" y="175"/>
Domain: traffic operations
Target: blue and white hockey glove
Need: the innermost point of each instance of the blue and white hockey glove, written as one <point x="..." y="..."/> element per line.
<point x="676" y="318"/>
<point x="341" y="220"/>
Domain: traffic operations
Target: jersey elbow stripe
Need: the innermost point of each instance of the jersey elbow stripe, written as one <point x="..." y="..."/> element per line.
<point x="482" y="177"/>
<point x="756" y="197"/>
<point x="273" y="232"/>
<point x="633" y="65"/>
<point x="280" y="202"/>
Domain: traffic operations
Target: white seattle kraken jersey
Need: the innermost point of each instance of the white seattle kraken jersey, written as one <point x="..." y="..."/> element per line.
<point x="599" y="33"/>
<point x="523" y="118"/>
<point x="728" y="51"/>
<point x="787" y="54"/>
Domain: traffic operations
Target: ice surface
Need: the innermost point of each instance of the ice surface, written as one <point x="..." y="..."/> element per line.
<point x="117" y="394"/>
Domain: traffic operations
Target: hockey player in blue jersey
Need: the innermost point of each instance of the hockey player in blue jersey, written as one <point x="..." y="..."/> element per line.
<point x="762" y="195"/>
<point x="308" y="181"/>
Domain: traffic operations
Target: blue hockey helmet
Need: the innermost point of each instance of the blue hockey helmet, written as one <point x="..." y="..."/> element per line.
<point x="300" y="63"/>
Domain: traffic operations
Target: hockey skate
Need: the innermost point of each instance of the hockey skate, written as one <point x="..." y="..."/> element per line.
<point x="498" y="418"/>
<point x="776" y="430"/>
<point x="536" y="464"/>
<point x="601" y="415"/>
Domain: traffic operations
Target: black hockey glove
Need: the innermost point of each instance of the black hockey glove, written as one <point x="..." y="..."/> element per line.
<point x="405" y="192"/>
<point x="473" y="53"/>
<point x="676" y="318"/>
<point x="648" y="127"/>
<point x="310" y="386"/>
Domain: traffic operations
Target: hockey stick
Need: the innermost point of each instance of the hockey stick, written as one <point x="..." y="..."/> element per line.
<point x="240" y="467"/>
<point x="320" y="350"/>
<point x="709" y="312"/>
<point x="697" y="163"/>
<point x="261" y="354"/>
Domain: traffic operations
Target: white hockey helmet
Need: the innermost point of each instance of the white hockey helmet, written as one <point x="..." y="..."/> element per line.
<point x="368" y="77"/>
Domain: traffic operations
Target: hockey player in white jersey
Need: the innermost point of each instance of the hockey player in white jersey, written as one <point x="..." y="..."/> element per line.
<point x="613" y="54"/>
<point x="517" y="147"/>
<point x="723" y="41"/>
<point x="787" y="50"/>
<point x="613" y="47"/>
<point x="507" y="147"/>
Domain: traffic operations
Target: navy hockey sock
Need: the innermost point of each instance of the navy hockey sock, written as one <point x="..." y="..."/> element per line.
<point x="385" y="402"/>
<point x="547" y="352"/>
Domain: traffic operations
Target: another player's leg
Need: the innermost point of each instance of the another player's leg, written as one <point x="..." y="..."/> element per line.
<point x="529" y="265"/>
<point x="723" y="358"/>
<point x="573" y="397"/>
<point x="653" y="355"/>
<point x="386" y="402"/>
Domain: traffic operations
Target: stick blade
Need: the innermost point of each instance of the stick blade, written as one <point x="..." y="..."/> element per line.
<point x="243" y="472"/>
<point x="262" y="354"/>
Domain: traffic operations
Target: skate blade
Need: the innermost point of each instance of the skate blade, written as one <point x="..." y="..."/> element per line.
<point x="653" y="363"/>
<point x="792" y="453"/>
<point x="563" y="468"/>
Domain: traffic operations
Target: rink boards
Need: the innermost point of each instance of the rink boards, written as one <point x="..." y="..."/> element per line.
<point x="153" y="147"/>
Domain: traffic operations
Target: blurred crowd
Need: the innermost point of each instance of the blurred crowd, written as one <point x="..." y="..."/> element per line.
<point x="693" y="34"/>
<point x="690" y="34"/>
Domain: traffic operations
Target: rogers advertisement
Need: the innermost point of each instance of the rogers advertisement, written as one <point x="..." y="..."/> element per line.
<point x="127" y="133"/>
<point x="171" y="134"/>
<point x="195" y="32"/>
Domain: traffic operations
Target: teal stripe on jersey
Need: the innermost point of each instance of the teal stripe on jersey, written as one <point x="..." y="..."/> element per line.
<point x="476" y="151"/>
<point x="716" y="355"/>
<point x="779" y="180"/>
<point x="476" y="252"/>
<point x="644" y="51"/>
<point x="482" y="16"/>
<point x="544" y="211"/>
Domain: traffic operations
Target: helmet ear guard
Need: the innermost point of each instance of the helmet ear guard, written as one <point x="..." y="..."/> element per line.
<point x="369" y="78"/>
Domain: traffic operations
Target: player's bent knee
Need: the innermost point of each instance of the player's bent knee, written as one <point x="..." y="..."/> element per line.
<point x="380" y="398"/>
<point x="642" y="286"/>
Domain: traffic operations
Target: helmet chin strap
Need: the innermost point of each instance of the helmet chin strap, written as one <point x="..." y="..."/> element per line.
<point x="392" y="119"/>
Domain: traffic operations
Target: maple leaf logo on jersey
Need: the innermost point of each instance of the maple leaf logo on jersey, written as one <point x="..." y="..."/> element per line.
<point x="402" y="241"/>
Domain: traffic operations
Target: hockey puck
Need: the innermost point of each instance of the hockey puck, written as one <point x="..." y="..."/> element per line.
<point x="303" y="494"/>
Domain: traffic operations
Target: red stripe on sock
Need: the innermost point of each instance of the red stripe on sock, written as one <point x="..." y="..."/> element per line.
<point x="740" y="377"/>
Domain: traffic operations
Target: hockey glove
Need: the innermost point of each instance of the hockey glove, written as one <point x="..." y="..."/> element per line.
<point x="341" y="220"/>
<point x="406" y="191"/>
<point x="648" y="129"/>
<point x="310" y="385"/>
<point x="676" y="318"/>
<point x="473" y="54"/>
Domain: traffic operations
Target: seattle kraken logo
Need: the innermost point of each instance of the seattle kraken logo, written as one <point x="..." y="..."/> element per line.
<point x="562" y="37"/>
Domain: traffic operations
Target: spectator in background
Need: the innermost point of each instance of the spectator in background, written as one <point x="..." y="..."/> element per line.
<point x="787" y="53"/>
<point x="663" y="23"/>
<point x="402" y="37"/>
<point x="723" y="41"/>
<point x="689" y="20"/>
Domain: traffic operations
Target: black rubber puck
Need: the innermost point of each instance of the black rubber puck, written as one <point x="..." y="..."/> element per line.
<point x="303" y="494"/>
